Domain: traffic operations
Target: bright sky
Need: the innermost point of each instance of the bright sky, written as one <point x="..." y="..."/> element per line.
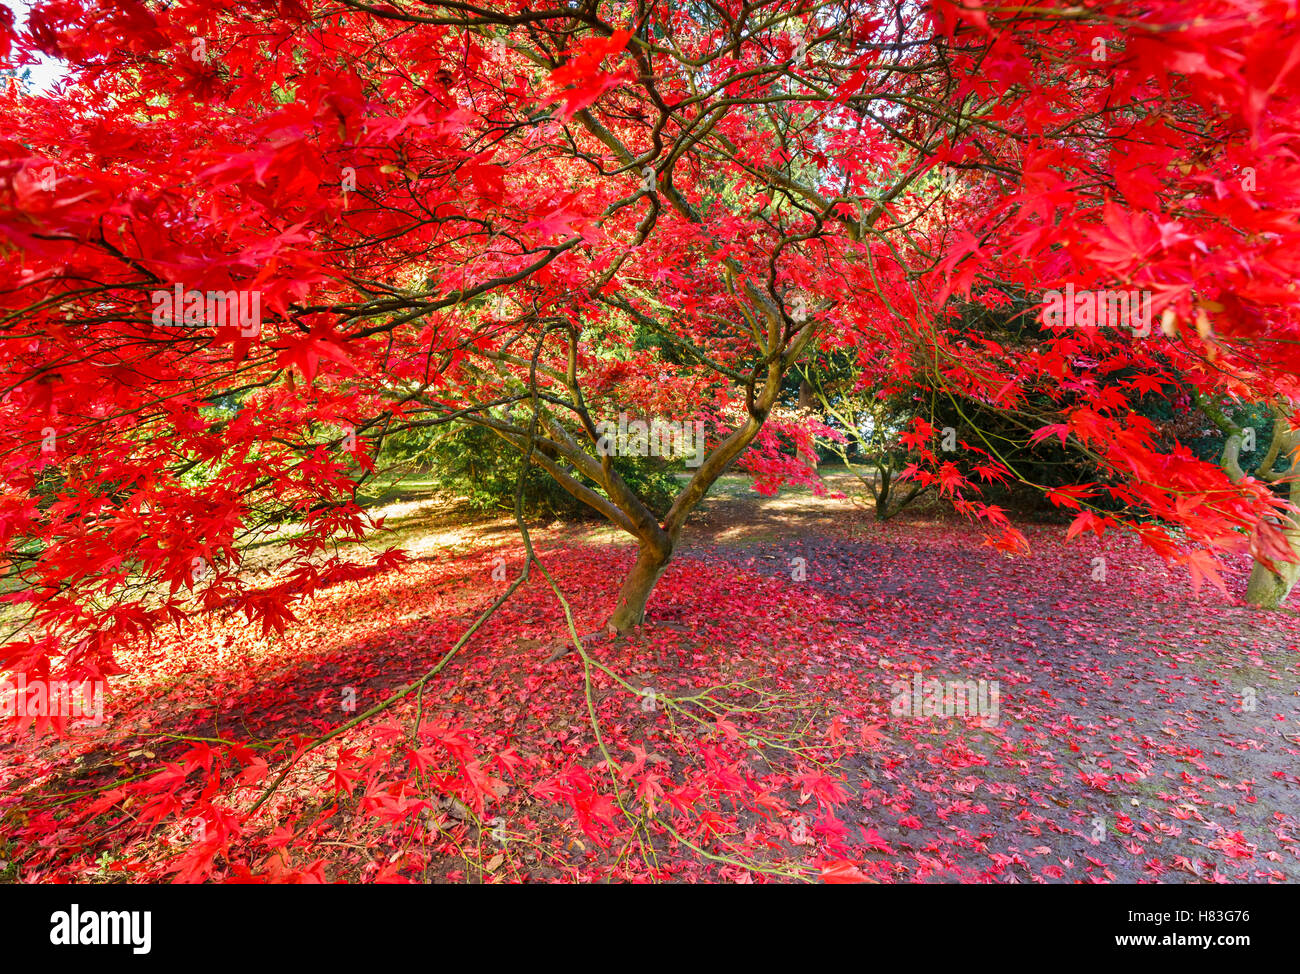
<point x="49" y="70"/>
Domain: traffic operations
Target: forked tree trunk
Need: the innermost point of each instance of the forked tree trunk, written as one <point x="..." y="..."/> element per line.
<point x="629" y="610"/>
<point x="657" y="541"/>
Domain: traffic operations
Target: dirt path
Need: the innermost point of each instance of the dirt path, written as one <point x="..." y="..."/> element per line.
<point x="1141" y="725"/>
<point x="1144" y="733"/>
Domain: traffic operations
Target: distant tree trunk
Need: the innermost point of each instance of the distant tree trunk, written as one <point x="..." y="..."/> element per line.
<point x="807" y="401"/>
<point x="888" y="502"/>
<point x="1267" y="588"/>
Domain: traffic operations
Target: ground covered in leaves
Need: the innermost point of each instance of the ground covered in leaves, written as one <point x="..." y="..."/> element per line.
<point x="1143" y="732"/>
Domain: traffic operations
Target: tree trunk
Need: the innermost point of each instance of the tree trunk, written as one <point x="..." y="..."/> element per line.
<point x="1268" y="589"/>
<point x="882" y="499"/>
<point x="806" y="402"/>
<point x="629" y="610"/>
<point x="657" y="540"/>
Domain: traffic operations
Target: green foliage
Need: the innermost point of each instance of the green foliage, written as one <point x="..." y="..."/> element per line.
<point x="475" y="463"/>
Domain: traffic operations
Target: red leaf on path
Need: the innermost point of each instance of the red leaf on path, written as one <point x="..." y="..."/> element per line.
<point x="871" y="735"/>
<point x="843" y="871"/>
<point x="875" y="841"/>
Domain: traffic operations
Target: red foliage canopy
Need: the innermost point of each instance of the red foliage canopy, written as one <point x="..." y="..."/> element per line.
<point x="445" y="211"/>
